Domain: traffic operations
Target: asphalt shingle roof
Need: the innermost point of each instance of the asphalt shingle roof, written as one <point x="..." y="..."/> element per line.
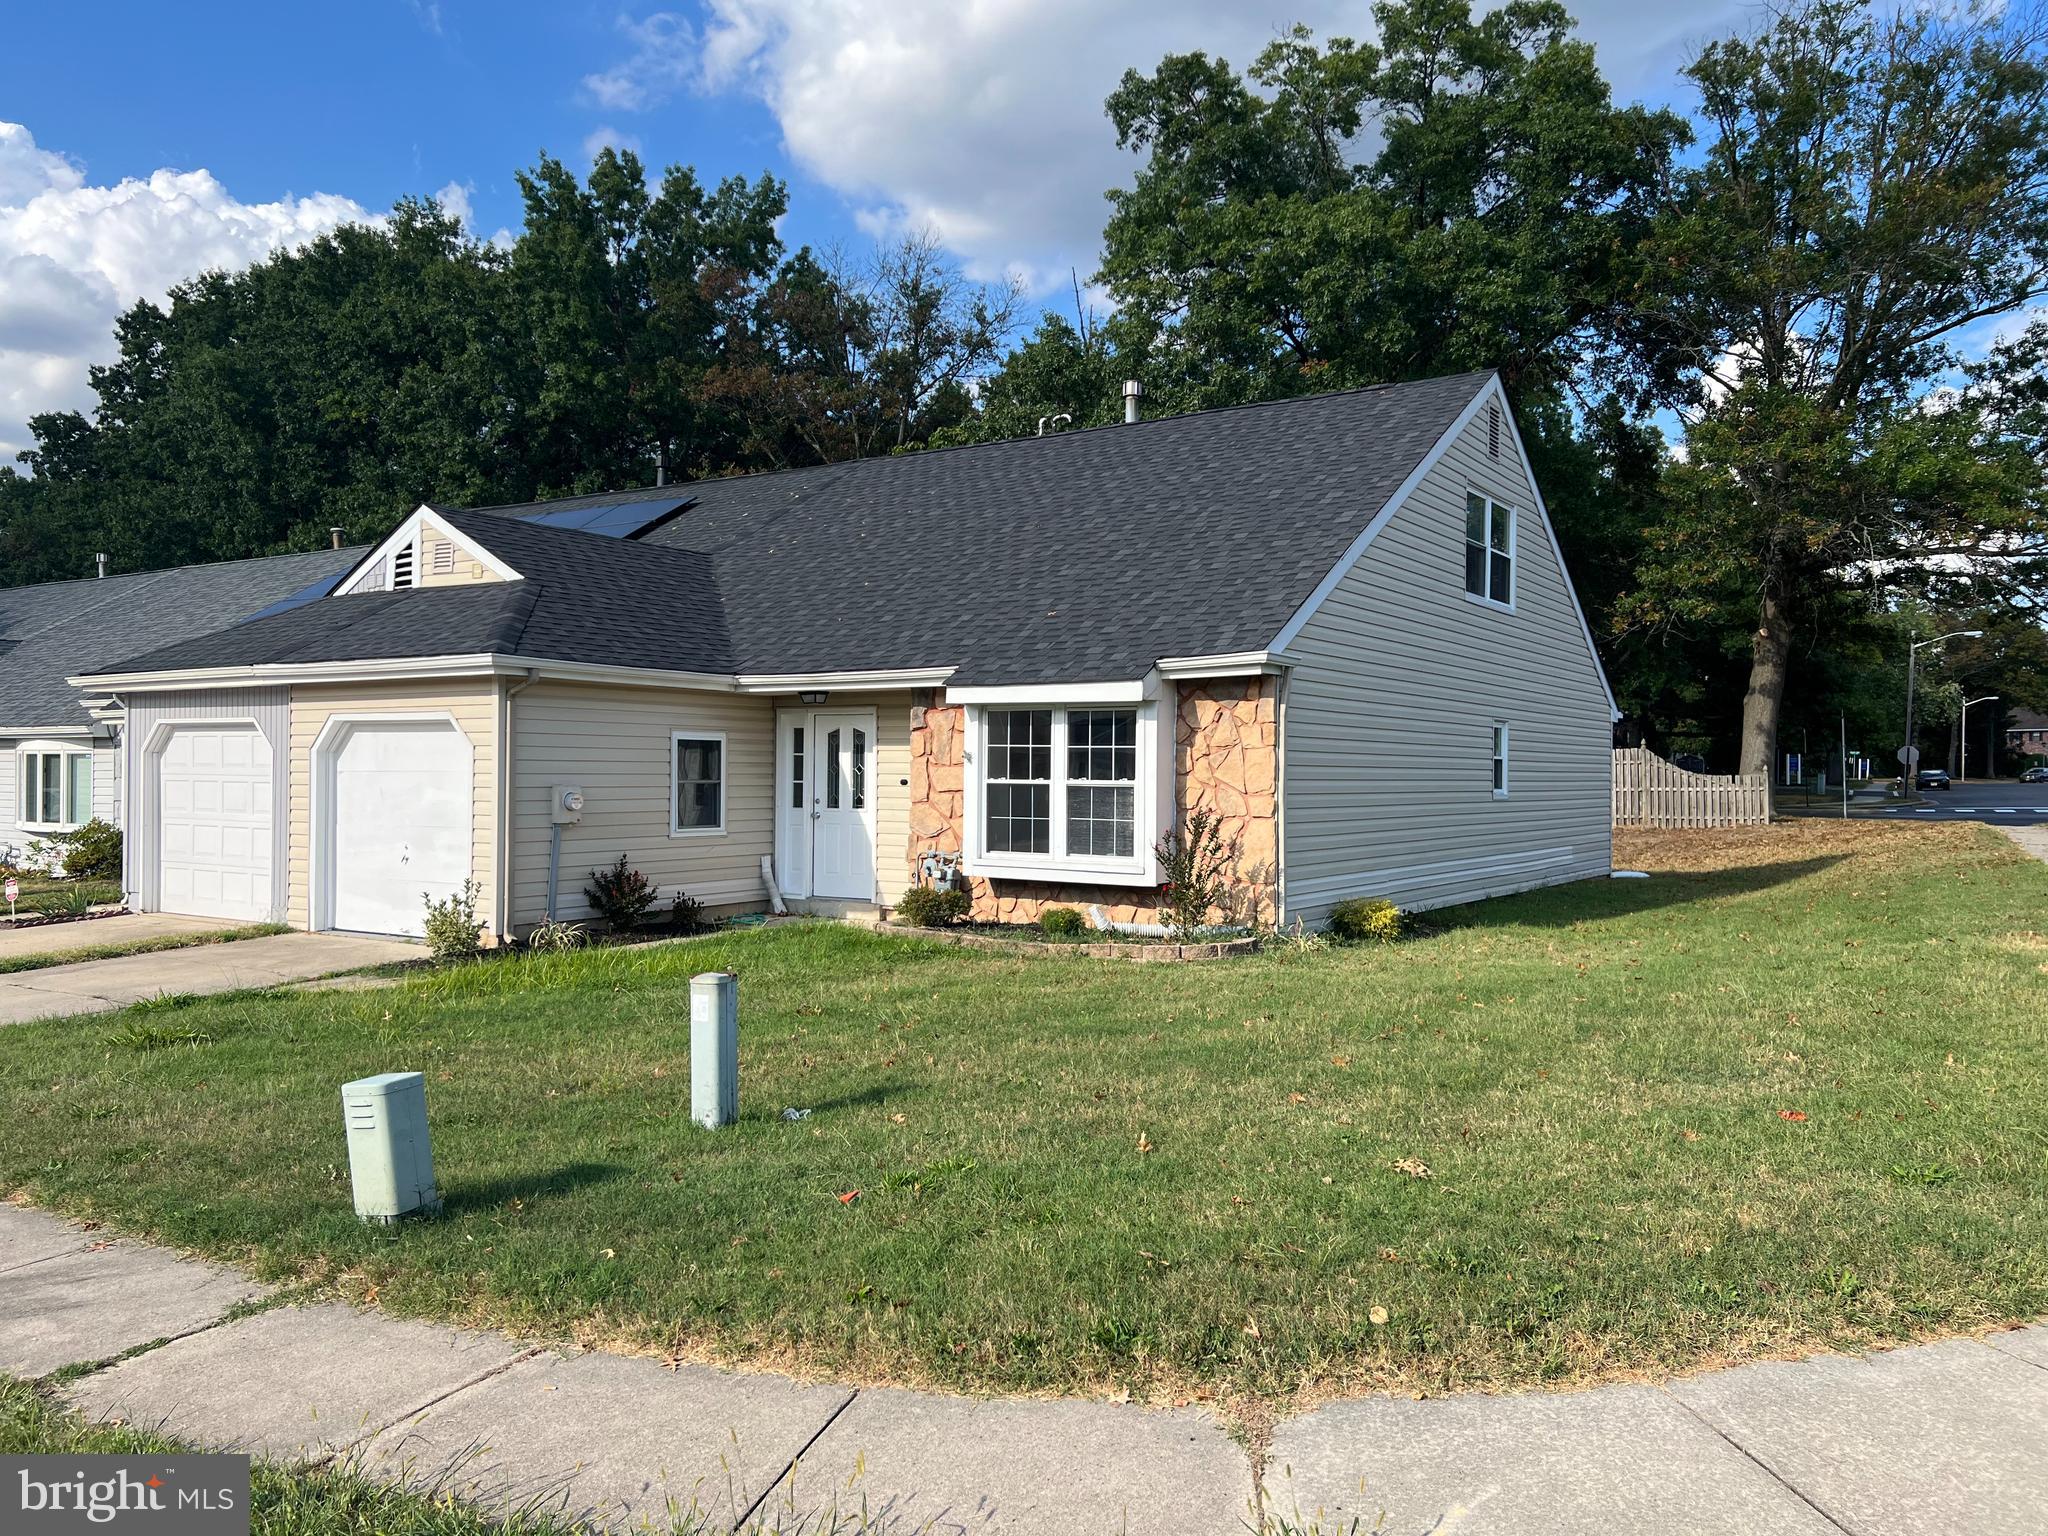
<point x="61" y="629"/>
<point x="1082" y="555"/>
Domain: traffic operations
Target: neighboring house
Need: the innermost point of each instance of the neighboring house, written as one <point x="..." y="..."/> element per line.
<point x="2026" y="733"/>
<point x="59" y="760"/>
<point x="1339" y="622"/>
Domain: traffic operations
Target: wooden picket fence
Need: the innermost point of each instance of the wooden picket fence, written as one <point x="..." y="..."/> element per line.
<point x="1649" y="792"/>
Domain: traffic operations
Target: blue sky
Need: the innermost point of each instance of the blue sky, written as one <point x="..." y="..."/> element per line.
<point x="142" y="143"/>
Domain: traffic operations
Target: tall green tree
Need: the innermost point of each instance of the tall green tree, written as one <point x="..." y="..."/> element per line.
<point x="1872" y="187"/>
<point x="1464" y="193"/>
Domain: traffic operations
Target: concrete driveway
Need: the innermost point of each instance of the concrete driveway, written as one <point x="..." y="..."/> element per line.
<point x="98" y="986"/>
<point x="51" y="938"/>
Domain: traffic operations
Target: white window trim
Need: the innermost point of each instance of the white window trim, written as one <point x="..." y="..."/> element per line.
<point x="1494" y="505"/>
<point x="40" y="748"/>
<point x="1502" y="758"/>
<point x="675" y="810"/>
<point x="1151" y="805"/>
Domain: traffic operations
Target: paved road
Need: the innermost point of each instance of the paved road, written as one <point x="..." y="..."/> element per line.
<point x="2000" y="802"/>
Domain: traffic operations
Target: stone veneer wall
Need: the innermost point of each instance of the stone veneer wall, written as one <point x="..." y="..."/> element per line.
<point x="1226" y="756"/>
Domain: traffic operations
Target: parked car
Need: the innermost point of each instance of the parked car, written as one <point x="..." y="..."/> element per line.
<point x="1933" y="778"/>
<point x="2035" y="776"/>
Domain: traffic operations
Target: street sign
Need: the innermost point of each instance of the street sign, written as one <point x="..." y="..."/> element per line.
<point x="1909" y="755"/>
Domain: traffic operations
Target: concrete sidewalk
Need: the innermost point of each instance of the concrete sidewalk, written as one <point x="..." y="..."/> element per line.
<point x="121" y="928"/>
<point x="1936" y="1439"/>
<point x="96" y="986"/>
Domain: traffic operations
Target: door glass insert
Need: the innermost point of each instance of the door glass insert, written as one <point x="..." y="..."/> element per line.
<point x="832" y="770"/>
<point x="796" y="768"/>
<point x="860" y="769"/>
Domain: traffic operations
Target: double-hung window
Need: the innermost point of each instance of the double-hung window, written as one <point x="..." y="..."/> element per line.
<point x="1489" y="549"/>
<point x="1500" y="760"/>
<point x="1064" y="790"/>
<point x="56" y="787"/>
<point x="697" y="783"/>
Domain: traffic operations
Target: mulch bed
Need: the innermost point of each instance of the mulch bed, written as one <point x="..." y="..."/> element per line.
<point x="1162" y="950"/>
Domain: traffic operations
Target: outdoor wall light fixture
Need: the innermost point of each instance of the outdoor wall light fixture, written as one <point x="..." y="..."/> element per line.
<point x="814" y="697"/>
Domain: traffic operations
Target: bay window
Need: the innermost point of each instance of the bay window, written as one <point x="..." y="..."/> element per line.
<point x="55" y="786"/>
<point x="1068" y="791"/>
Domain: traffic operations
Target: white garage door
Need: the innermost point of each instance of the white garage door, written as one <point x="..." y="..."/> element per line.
<point x="213" y="818"/>
<point x="400" y="831"/>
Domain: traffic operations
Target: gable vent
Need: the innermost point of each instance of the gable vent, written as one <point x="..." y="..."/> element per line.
<point x="442" y="561"/>
<point x="403" y="566"/>
<point x="1493" y="431"/>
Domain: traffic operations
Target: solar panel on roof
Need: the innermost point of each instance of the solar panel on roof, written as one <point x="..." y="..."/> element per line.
<point x="612" y="520"/>
<point x="306" y="594"/>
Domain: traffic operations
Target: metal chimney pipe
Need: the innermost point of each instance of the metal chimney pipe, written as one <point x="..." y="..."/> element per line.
<point x="334" y="533"/>
<point x="1134" y="391"/>
<point x="101" y="561"/>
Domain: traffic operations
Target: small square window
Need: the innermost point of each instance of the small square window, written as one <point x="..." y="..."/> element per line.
<point x="698" y="773"/>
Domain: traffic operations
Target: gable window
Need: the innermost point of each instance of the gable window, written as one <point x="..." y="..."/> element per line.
<point x="1500" y="760"/>
<point x="1489" y="550"/>
<point x="56" y="787"/>
<point x="697" y="783"/>
<point x="1056" y="791"/>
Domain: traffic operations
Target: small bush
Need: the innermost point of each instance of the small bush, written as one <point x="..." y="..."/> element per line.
<point x="76" y="901"/>
<point x="686" y="914"/>
<point x="1196" y="864"/>
<point x="1365" y="920"/>
<point x="554" y="937"/>
<point x="924" y="906"/>
<point x="454" y="931"/>
<point x="622" y="895"/>
<point x="1061" y="922"/>
<point x="93" y="852"/>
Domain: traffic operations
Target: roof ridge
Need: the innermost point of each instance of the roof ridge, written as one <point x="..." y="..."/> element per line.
<point x="848" y="465"/>
<point x="190" y="565"/>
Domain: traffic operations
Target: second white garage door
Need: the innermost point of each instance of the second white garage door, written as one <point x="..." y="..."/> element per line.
<point x="213" y="809"/>
<point x="400" y="833"/>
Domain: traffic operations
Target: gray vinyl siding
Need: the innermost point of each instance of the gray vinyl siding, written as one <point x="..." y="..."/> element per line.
<point x="613" y="743"/>
<point x="1387" y="721"/>
<point x="270" y="708"/>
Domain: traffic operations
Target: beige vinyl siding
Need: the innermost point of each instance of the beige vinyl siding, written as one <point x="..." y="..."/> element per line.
<point x="1398" y="679"/>
<point x="474" y="706"/>
<point x="445" y="562"/>
<point x="614" y="743"/>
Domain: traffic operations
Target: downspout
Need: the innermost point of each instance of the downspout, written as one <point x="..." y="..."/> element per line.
<point x="1280" y="800"/>
<point x="502" y="907"/>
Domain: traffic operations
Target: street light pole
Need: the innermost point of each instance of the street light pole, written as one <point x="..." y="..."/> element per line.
<point x="1963" y="758"/>
<point x="1909" y="762"/>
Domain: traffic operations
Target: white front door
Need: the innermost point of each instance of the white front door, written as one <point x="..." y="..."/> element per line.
<point x="213" y="823"/>
<point x="842" y="806"/>
<point x="400" y="829"/>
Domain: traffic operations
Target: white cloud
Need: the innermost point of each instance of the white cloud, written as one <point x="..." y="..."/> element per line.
<point x="985" y="122"/>
<point x="455" y="201"/>
<point x="608" y="137"/>
<point x="73" y="256"/>
<point x="660" y="62"/>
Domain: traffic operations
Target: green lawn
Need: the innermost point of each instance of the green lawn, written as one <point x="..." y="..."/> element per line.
<point x="35" y="888"/>
<point x="124" y="947"/>
<point x="1799" y="1099"/>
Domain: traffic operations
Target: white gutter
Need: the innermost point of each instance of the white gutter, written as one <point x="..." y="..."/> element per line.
<point x="791" y="682"/>
<point x="1232" y="664"/>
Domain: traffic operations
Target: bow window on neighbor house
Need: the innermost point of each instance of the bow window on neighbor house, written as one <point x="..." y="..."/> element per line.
<point x="56" y="787"/>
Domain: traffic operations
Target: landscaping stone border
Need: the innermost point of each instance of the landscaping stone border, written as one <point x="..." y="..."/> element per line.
<point x="1216" y="950"/>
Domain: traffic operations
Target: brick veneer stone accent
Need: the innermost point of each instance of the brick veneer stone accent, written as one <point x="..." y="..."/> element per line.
<point x="1226" y="758"/>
